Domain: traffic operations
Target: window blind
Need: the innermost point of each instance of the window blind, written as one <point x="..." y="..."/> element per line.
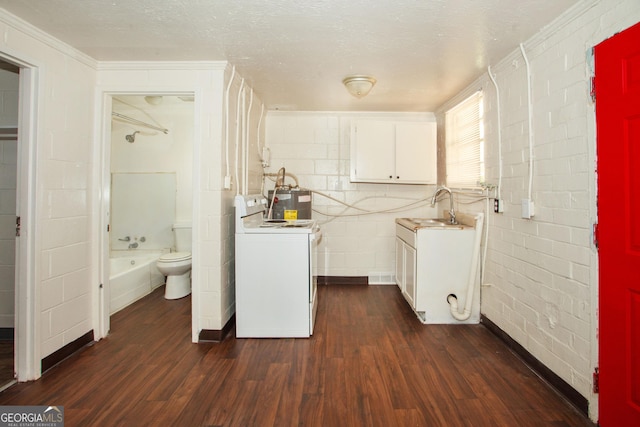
<point x="464" y="143"/>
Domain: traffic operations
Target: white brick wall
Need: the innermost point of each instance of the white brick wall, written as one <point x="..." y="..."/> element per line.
<point x="69" y="158"/>
<point x="314" y="146"/>
<point x="542" y="271"/>
<point x="213" y="276"/>
<point x="541" y="274"/>
<point x="61" y="266"/>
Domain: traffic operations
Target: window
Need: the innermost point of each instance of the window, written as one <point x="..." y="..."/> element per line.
<point x="464" y="143"/>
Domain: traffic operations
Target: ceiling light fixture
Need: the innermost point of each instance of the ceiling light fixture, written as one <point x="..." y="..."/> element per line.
<point x="359" y="85"/>
<point x="153" y="99"/>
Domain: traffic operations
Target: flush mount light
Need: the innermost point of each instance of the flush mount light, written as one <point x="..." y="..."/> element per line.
<point x="153" y="99"/>
<point x="359" y="86"/>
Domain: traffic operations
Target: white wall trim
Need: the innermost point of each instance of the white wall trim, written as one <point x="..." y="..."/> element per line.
<point x="36" y="33"/>
<point x="203" y="80"/>
<point x="161" y="65"/>
<point x="27" y="303"/>
<point x="359" y="114"/>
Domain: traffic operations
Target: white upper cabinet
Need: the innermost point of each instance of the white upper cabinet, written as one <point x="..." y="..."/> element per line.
<point x="387" y="151"/>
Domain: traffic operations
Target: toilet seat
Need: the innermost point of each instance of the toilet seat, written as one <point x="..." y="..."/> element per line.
<point x="175" y="257"/>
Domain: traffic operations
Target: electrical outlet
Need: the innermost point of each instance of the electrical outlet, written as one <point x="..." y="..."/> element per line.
<point x="498" y="206"/>
<point x="527" y="208"/>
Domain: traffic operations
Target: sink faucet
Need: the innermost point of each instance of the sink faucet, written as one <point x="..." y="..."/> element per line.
<point x="452" y="213"/>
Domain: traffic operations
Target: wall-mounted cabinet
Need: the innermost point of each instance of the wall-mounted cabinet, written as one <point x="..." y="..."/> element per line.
<point x="387" y="151"/>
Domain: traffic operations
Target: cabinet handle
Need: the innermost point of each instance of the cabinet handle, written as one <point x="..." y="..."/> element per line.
<point x="398" y="177"/>
<point x="390" y="176"/>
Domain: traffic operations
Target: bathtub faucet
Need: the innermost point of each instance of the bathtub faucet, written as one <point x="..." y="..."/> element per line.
<point x="126" y="239"/>
<point x="133" y="245"/>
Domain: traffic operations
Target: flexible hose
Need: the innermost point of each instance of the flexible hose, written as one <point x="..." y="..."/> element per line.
<point x="245" y="144"/>
<point x="238" y="120"/>
<point x="275" y="189"/>
<point x="499" y="132"/>
<point x="530" y="114"/>
<point x="226" y="127"/>
<point x="452" y="299"/>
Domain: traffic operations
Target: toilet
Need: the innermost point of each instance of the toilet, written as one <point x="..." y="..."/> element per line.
<point x="177" y="265"/>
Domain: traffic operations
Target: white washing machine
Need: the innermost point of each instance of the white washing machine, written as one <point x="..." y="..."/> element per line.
<point x="276" y="287"/>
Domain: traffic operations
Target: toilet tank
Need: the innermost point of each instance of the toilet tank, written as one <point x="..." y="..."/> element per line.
<point x="182" y="236"/>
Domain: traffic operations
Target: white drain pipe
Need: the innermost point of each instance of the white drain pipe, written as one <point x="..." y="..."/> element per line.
<point x="452" y="299"/>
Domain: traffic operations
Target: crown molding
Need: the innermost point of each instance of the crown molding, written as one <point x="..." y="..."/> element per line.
<point x="162" y="65"/>
<point x="29" y="30"/>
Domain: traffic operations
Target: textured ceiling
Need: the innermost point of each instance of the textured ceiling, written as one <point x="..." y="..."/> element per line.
<point x="295" y="53"/>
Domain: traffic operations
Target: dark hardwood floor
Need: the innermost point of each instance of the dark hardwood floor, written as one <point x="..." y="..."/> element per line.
<point x="370" y="362"/>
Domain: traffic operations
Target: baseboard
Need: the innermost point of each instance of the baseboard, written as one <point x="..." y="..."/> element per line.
<point x="343" y="280"/>
<point x="215" y="335"/>
<point x="561" y="386"/>
<point x="58" y="356"/>
<point x="7" y="334"/>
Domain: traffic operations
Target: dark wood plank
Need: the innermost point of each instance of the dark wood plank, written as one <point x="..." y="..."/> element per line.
<point x="370" y="362"/>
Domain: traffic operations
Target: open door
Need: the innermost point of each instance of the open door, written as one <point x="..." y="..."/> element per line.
<point x="617" y="85"/>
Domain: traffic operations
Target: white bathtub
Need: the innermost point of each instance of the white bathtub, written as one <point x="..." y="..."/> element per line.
<point x="132" y="276"/>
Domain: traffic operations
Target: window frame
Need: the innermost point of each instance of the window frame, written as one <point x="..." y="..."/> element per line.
<point x="465" y="143"/>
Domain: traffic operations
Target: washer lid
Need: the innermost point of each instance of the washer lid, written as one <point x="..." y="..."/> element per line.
<point x="175" y="256"/>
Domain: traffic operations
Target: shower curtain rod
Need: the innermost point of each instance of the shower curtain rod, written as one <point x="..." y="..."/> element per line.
<point x="138" y="122"/>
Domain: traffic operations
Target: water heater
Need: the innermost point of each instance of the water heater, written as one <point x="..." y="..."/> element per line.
<point x="291" y="204"/>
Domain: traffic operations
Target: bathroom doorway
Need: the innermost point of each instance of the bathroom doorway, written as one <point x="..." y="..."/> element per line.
<point x="150" y="188"/>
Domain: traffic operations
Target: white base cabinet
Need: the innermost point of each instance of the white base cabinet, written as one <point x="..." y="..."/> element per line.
<point x="406" y="270"/>
<point x="432" y="263"/>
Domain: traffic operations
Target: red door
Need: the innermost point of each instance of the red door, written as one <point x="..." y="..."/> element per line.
<point x="617" y="83"/>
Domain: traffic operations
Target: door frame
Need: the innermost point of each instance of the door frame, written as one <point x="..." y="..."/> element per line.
<point x="27" y="328"/>
<point x="101" y="297"/>
<point x="102" y="303"/>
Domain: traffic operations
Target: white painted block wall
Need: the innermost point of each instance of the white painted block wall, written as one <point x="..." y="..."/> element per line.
<point x="541" y="274"/>
<point x="314" y="146"/>
<point x="68" y="175"/>
<point x="63" y="148"/>
<point x="213" y="275"/>
<point x="543" y="271"/>
<point x="205" y="81"/>
<point x="541" y="282"/>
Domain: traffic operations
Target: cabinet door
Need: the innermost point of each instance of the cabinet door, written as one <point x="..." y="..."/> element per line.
<point x="400" y="263"/>
<point x="373" y="151"/>
<point x="387" y="151"/>
<point x="410" y="275"/>
<point x="416" y="153"/>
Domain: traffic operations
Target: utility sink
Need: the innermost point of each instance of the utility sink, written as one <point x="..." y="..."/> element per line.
<point x="432" y="222"/>
<point x="417" y="223"/>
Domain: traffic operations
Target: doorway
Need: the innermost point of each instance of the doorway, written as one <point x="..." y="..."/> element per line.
<point x="148" y="174"/>
<point x="9" y="93"/>
<point x="19" y="209"/>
